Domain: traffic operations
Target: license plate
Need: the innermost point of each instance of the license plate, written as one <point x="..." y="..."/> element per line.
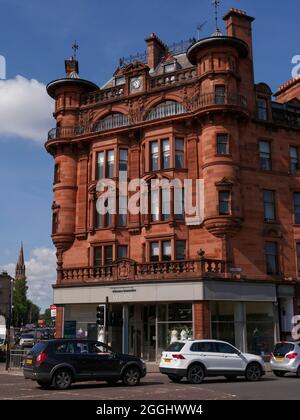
<point x="167" y="360"/>
<point x="279" y="359"/>
<point x="29" y="362"/>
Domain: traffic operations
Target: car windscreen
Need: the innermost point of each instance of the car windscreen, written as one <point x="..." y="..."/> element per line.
<point x="27" y="336"/>
<point x="175" y="346"/>
<point x="38" y="348"/>
<point x="282" y="349"/>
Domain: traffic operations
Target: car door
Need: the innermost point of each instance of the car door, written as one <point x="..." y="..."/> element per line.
<point x="73" y="353"/>
<point x="206" y="352"/>
<point x="229" y="359"/>
<point x="104" y="362"/>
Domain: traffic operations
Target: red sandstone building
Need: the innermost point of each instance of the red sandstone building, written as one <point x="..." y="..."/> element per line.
<point x="187" y="112"/>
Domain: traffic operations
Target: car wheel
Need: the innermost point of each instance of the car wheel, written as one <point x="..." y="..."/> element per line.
<point x="253" y="372"/>
<point x="230" y="377"/>
<point x="298" y="372"/>
<point x="175" y="379"/>
<point x="131" y="376"/>
<point x="196" y="374"/>
<point x="62" y="379"/>
<point x="278" y="373"/>
<point x="44" y="385"/>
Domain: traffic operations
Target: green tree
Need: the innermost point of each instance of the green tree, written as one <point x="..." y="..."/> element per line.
<point x="33" y="313"/>
<point x="20" y="303"/>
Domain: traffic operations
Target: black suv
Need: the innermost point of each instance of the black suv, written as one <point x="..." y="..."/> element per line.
<point x="59" y="363"/>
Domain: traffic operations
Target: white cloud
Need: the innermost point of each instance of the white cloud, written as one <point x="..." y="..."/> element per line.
<point x="25" y="109"/>
<point x="41" y="274"/>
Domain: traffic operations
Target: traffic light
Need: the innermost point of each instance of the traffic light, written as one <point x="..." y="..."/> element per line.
<point x="101" y="315"/>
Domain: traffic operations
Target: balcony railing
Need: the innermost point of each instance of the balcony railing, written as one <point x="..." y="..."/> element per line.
<point x="128" y="270"/>
<point x="173" y="78"/>
<point x="103" y="95"/>
<point x="63" y="132"/>
<point x="113" y="121"/>
<point x="166" y="110"/>
<point x="163" y="111"/>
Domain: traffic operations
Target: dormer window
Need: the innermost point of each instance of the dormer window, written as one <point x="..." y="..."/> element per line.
<point x="119" y="81"/>
<point x="169" y="68"/>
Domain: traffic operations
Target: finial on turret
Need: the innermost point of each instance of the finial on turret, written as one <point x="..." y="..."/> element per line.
<point x="216" y="4"/>
<point x="75" y="48"/>
<point x="71" y="65"/>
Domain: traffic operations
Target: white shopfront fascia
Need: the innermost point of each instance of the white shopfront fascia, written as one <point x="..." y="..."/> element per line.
<point x="135" y="293"/>
<point x="208" y="290"/>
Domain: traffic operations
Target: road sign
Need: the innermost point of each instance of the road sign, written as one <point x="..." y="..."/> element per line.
<point x="53" y="311"/>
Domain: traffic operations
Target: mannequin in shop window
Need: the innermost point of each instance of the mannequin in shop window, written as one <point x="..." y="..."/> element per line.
<point x="174" y="336"/>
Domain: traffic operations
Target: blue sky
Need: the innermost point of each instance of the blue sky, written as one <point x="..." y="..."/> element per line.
<point x="36" y="37"/>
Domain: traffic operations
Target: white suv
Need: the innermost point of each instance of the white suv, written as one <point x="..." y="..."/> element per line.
<point x="200" y="358"/>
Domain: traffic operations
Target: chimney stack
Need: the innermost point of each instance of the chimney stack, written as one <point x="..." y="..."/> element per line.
<point x="156" y="50"/>
<point x="239" y="25"/>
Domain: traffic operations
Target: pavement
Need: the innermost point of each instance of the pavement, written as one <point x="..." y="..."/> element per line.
<point x="155" y="387"/>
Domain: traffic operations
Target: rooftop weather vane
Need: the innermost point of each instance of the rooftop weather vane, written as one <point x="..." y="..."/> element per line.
<point x="216" y="4"/>
<point x="75" y="48"/>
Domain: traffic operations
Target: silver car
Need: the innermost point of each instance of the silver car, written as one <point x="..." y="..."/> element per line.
<point x="286" y="358"/>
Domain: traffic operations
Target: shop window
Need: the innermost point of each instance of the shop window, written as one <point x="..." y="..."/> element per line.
<point x="260" y="323"/>
<point x="175" y="322"/>
<point x="222" y="321"/>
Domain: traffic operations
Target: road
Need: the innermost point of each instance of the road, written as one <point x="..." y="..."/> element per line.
<point x="156" y="387"/>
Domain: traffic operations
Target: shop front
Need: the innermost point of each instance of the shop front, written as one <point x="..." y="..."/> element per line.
<point x="143" y="319"/>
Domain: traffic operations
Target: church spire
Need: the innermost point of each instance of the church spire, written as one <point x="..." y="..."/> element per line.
<point x="20" y="267"/>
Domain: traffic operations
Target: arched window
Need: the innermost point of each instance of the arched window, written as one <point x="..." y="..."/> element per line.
<point x="166" y="109"/>
<point x="114" y="120"/>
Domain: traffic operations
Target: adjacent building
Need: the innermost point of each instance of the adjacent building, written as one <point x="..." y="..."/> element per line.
<point x="186" y="111"/>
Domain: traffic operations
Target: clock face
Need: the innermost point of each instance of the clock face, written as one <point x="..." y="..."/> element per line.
<point x="136" y="84"/>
